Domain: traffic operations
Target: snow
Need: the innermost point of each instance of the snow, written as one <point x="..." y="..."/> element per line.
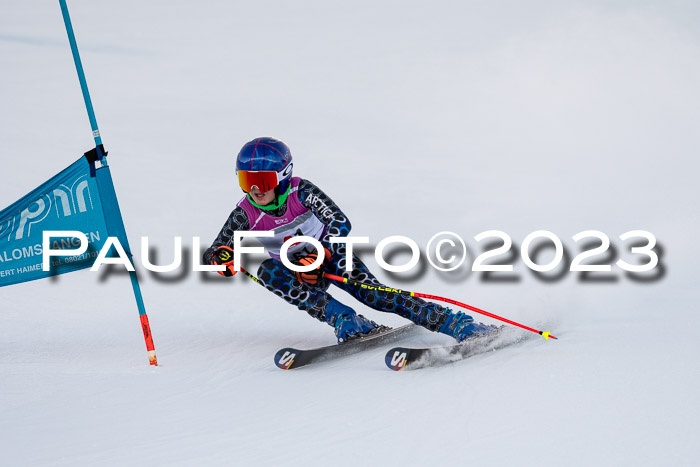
<point x="415" y="118"/>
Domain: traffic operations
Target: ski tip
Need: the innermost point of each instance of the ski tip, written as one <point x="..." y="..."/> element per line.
<point x="284" y="358"/>
<point x="397" y="358"/>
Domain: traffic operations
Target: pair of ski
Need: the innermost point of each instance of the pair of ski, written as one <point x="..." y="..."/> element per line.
<point x="398" y="358"/>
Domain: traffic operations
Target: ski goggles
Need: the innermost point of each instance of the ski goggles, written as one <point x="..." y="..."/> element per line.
<point x="265" y="180"/>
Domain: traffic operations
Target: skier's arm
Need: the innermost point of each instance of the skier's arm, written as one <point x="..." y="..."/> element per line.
<point x="327" y="212"/>
<point x="237" y="220"/>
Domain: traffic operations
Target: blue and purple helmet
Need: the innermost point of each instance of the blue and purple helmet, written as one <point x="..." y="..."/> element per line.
<point x="266" y="163"/>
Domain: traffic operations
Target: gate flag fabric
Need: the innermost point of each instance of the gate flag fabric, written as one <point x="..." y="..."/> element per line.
<point x="70" y="200"/>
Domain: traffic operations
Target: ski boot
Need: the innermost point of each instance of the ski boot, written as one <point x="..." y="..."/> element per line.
<point x="461" y="326"/>
<point x="347" y="324"/>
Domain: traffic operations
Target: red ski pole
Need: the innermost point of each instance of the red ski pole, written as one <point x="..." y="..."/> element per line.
<point x="545" y="334"/>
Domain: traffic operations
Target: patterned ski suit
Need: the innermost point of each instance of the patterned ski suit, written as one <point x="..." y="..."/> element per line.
<point x="309" y="211"/>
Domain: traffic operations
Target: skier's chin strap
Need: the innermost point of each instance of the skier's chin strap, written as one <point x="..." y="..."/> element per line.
<point x="279" y="201"/>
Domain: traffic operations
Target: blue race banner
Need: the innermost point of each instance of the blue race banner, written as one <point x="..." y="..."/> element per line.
<point x="70" y="200"/>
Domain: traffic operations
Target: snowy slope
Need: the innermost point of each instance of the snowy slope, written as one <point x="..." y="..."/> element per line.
<point x="415" y="118"/>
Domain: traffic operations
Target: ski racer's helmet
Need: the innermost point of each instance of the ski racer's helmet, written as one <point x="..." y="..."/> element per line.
<point x="266" y="163"/>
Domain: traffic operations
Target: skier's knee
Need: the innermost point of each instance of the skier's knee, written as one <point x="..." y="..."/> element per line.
<point x="268" y="269"/>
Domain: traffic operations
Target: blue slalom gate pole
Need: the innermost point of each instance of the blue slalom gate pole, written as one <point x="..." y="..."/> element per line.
<point x="113" y="217"/>
<point x="81" y="73"/>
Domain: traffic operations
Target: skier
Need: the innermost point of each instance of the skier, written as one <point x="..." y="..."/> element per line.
<point x="291" y="206"/>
